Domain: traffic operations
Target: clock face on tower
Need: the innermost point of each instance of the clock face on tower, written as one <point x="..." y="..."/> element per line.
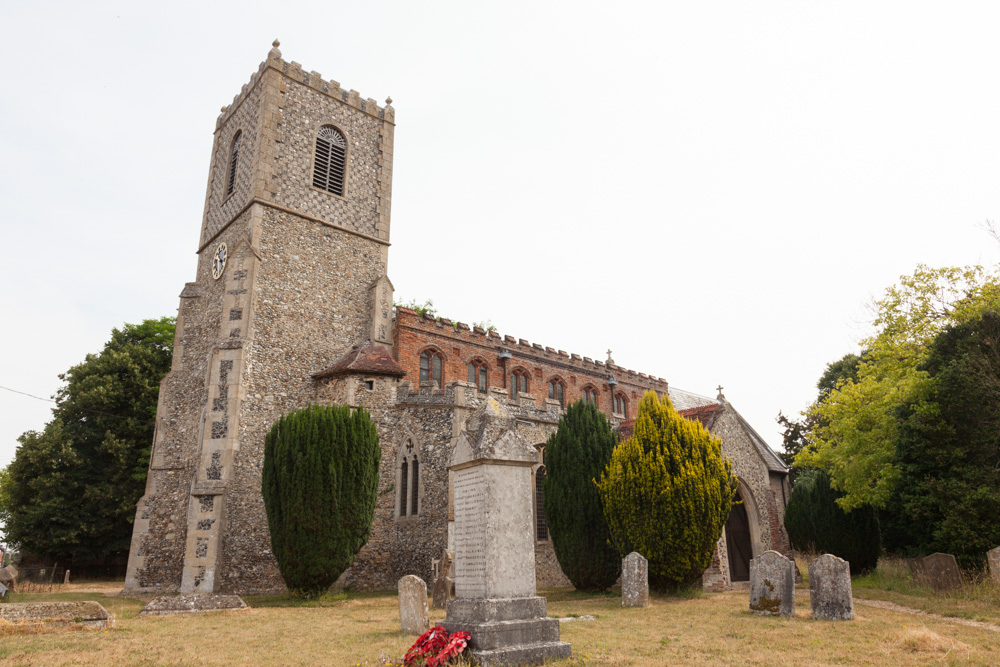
<point x="219" y="260"/>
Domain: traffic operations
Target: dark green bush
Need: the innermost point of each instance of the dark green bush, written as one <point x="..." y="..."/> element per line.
<point x="575" y="456"/>
<point x="319" y="484"/>
<point x="816" y="523"/>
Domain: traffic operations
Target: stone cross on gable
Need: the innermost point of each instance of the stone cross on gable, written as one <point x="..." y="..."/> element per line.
<point x="610" y="360"/>
<point x="720" y="396"/>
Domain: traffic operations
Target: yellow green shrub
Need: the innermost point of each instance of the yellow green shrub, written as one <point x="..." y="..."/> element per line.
<point x="667" y="493"/>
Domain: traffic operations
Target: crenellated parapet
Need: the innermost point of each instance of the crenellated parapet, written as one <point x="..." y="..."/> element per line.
<point x="312" y="79"/>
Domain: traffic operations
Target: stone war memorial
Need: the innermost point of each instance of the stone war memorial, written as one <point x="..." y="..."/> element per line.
<point x="495" y="600"/>
<point x="291" y="304"/>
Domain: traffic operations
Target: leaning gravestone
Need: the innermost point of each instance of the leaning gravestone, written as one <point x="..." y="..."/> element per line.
<point x="495" y="600"/>
<point x="830" y="589"/>
<point x="635" y="581"/>
<point x="57" y="615"/>
<point x="942" y="572"/>
<point x="772" y="585"/>
<point x="413" y="614"/>
<point x="993" y="556"/>
<point x="442" y="586"/>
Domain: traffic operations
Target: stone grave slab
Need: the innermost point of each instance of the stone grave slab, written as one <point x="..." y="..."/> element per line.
<point x="442" y="587"/>
<point x="942" y="572"/>
<point x="635" y="581"/>
<point x="772" y="585"/>
<point x="192" y="603"/>
<point x="495" y="600"/>
<point x="830" y="592"/>
<point x="414" y="617"/>
<point x="57" y="614"/>
<point x="993" y="556"/>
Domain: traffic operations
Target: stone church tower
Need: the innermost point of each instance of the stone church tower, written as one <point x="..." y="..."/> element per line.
<point x="291" y="274"/>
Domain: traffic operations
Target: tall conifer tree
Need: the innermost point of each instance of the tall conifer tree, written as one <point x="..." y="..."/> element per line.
<point x="575" y="455"/>
<point x="319" y="485"/>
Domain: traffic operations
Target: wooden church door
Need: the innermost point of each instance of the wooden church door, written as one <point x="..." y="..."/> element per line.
<point x="738" y="542"/>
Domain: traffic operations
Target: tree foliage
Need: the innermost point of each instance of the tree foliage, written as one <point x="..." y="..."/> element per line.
<point x="815" y="523"/>
<point x="319" y="484"/>
<point x="666" y="493"/>
<point x="948" y="449"/>
<point x="855" y="428"/>
<point x="575" y="455"/>
<point x="70" y="492"/>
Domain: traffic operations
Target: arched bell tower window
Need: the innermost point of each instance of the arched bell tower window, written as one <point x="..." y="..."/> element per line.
<point x="478" y="374"/>
<point x="518" y="382"/>
<point x="234" y="157"/>
<point x="330" y="164"/>
<point x="408" y="480"/>
<point x="432" y="367"/>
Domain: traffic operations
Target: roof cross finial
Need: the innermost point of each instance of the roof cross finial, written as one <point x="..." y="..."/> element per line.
<point x="720" y="397"/>
<point x="610" y="360"/>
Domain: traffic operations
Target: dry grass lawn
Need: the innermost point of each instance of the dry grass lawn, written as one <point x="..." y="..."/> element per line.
<point x="359" y="628"/>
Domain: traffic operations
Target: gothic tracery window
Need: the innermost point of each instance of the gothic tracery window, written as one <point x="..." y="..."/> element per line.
<point x="478" y="374"/>
<point x="432" y="368"/>
<point x="621" y="405"/>
<point x="330" y="164"/>
<point x="557" y="390"/>
<point x="590" y="395"/>
<point x="408" y="481"/>
<point x="518" y="382"/>
<point x="541" y="525"/>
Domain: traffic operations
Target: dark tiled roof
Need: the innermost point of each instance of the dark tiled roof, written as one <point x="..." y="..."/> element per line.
<point x="366" y="359"/>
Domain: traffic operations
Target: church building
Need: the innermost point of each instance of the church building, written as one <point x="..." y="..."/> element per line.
<point x="292" y="305"/>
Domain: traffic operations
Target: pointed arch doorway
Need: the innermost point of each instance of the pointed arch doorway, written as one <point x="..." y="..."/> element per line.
<point x="742" y="535"/>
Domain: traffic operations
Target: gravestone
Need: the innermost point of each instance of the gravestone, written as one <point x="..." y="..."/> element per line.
<point x="192" y="603"/>
<point x="635" y="581"/>
<point x="772" y="585"/>
<point x="993" y="556"/>
<point x="414" y="618"/>
<point x="57" y="614"/>
<point x="495" y="600"/>
<point x="443" y="584"/>
<point x="66" y="577"/>
<point x="942" y="572"/>
<point x="830" y="589"/>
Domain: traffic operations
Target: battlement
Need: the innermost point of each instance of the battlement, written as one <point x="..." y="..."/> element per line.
<point x="314" y="80"/>
<point x="407" y="317"/>
<point x="465" y="394"/>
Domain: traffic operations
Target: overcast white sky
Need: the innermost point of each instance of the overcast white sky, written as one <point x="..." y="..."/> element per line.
<point x="713" y="190"/>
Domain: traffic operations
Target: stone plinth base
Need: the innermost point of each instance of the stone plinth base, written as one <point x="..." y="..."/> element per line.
<point x="57" y="614"/>
<point x="508" y="631"/>
<point x="192" y="603"/>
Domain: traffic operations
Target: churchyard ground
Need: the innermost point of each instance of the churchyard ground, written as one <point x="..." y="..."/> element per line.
<point x="717" y="628"/>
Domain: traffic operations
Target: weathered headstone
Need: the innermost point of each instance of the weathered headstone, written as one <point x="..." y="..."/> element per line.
<point x="192" y="603"/>
<point x="442" y="586"/>
<point x="66" y="577"/>
<point x="772" y="585"/>
<point x="57" y="614"/>
<point x="495" y="600"/>
<point x="635" y="581"/>
<point x="414" y="618"/>
<point x="830" y="589"/>
<point x="942" y="572"/>
<point x="993" y="556"/>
